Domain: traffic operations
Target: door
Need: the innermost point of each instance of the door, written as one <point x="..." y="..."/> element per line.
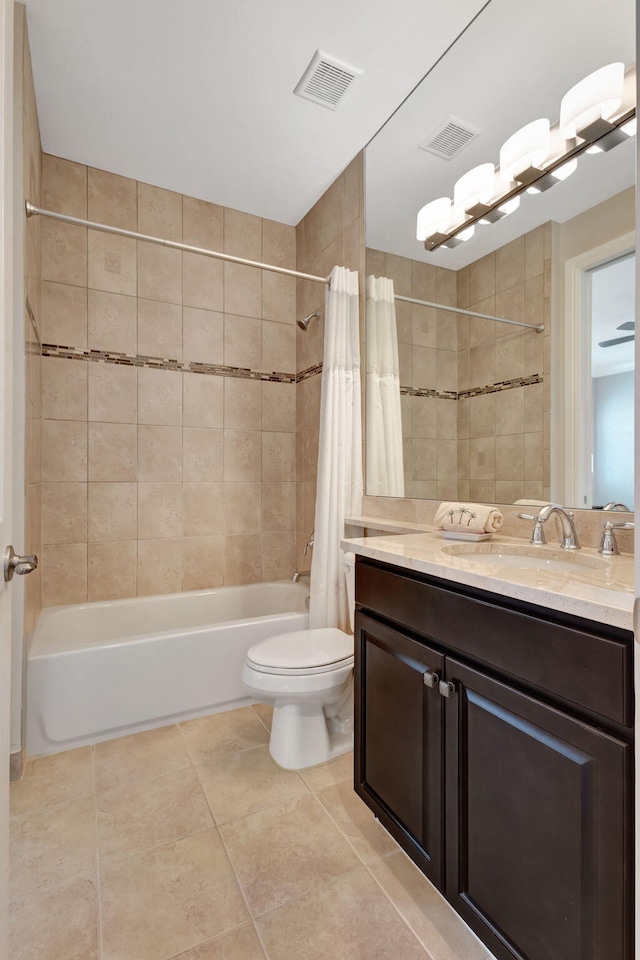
<point x="6" y="418"/>
<point x="398" y="737"/>
<point x="537" y="819"/>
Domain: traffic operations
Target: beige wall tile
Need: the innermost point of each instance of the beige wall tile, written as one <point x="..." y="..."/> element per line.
<point x="447" y="419"/>
<point x="202" y="400"/>
<point x="482" y="364"/>
<point x="425" y="368"/>
<point x="113" y="393"/>
<point x="112" y="322"/>
<point x="510" y="264"/>
<point x="508" y="491"/>
<point x="510" y="305"/>
<point x="533" y="408"/>
<point x="447" y="378"/>
<point x="203" y="284"/>
<point x="159" y="212"/>
<point x="534" y="300"/>
<point x="462" y="288"/>
<point x="202" y="335"/>
<point x="277" y="556"/>
<point x="242" y="404"/>
<point x="64" y="574"/>
<point x="112" y="199"/>
<point x="243" y="342"/>
<point x="64" y="186"/>
<point x="278" y="506"/>
<point x="203" y="563"/>
<point x="510" y="357"/>
<point x="159" y="397"/>
<point x="64" y="512"/>
<point x="63" y="318"/>
<point x="202" y="454"/>
<point x="533" y="353"/>
<point x="113" y="451"/>
<point x="332" y="212"/>
<point x="64" y="450"/>
<point x="202" y="223"/>
<point x="159" y="510"/>
<point x="112" y="263"/>
<point x="203" y="506"/>
<point x="482" y="278"/>
<point x="533" y="456"/>
<point x="242" y="290"/>
<point x="279" y="244"/>
<point x="482" y="458"/>
<point x="112" y="511"/>
<point x="424" y="417"/>
<point x="242" y="560"/>
<point x="159" y="273"/>
<point x="242" y="508"/>
<point x="482" y="491"/>
<point x="278" y="407"/>
<point x="112" y="570"/>
<point x="159" y="453"/>
<point x="446" y="452"/>
<point x="510" y="411"/>
<point x="424" y="457"/>
<point x="64" y="389"/>
<point x="159" y="567"/>
<point x="278" y="456"/>
<point x="64" y="253"/>
<point x="510" y="458"/>
<point x="242" y="234"/>
<point x="279" y="298"/>
<point x="278" y="347"/>
<point x="160" y="329"/>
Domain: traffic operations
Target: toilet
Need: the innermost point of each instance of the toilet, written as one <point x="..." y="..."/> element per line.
<point x="308" y="677"/>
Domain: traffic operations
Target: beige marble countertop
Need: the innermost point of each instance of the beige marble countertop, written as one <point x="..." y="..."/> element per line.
<point x="603" y="593"/>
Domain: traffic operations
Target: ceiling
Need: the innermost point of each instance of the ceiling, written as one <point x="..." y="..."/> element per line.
<point x="503" y="72"/>
<point x="197" y="95"/>
<point x="613" y="301"/>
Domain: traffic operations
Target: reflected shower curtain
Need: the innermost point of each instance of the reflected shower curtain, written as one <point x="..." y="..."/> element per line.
<point x="383" y="446"/>
<point x="339" y="490"/>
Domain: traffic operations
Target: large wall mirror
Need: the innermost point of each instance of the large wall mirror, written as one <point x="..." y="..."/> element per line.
<point x="460" y="406"/>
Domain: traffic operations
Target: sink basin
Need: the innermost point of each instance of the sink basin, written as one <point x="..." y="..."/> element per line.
<point x="516" y="557"/>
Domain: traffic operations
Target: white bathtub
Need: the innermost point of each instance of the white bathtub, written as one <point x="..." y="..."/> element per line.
<point x="102" y="670"/>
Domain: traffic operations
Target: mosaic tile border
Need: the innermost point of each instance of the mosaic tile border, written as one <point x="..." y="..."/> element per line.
<point x="181" y="366"/>
<point x="498" y="387"/>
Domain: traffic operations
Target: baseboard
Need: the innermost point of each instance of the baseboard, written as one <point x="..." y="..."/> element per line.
<point x="16" y="764"/>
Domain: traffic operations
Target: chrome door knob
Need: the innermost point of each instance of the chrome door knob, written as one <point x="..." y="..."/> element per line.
<point x="15" y="564"/>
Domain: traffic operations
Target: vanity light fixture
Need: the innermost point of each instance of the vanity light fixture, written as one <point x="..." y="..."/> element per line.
<point x="594" y="118"/>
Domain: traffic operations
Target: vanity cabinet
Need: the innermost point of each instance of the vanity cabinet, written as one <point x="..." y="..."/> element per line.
<point x="508" y="785"/>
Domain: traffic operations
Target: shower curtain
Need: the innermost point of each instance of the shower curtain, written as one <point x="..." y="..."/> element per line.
<point x="339" y="488"/>
<point x="383" y="446"/>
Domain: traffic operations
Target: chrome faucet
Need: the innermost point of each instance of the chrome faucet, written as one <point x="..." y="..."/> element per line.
<point x="609" y="545"/>
<point x="300" y="573"/>
<point x="569" y="539"/>
<point x="618" y="507"/>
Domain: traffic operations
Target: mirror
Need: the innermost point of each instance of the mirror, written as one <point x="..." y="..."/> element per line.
<point x="492" y="411"/>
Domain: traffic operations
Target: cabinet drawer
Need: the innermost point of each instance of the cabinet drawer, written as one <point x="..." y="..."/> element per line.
<point x="591" y="671"/>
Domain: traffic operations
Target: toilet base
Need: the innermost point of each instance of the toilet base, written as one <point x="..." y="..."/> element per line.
<point x="302" y="736"/>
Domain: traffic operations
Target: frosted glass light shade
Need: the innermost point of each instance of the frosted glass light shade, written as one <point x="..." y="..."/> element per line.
<point x="630" y="127"/>
<point x="561" y="173"/>
<point x="476" y="186"/>
<point x="434" y="217"/>
<point x="528" y="147"/>
<point x="596" y="97"/>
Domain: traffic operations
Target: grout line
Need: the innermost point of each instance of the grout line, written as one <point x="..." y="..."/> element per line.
<point x="428" y="954"/>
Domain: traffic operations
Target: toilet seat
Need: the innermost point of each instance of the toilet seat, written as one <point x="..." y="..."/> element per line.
<point x="302" y="652"/>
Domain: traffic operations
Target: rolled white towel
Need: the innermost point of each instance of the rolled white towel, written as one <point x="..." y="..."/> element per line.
<point x="468" y="517"/>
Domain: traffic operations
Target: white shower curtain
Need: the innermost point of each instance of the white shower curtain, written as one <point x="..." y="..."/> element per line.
<point x="339" y="489"/>
<point x="383" y="446"/>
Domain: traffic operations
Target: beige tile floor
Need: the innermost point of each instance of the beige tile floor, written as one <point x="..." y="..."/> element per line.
<point x="188" y="842"/>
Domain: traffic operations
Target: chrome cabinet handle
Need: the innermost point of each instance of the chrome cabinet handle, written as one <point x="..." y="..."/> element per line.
<point x="15" y="564"/>
<point x="430" y="679"/>
<point x="446" y="688"/>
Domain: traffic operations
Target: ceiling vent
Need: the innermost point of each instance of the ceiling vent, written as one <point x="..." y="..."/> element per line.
<point x="449" y="138"/>
<point x="326" y="80"/>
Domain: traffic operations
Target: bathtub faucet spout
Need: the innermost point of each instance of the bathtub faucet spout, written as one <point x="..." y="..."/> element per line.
<point x="298" y="574"/>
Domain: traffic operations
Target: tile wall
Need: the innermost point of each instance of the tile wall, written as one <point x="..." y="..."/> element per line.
<point x="475" y="394"/>
<point x="331" y="233"/>
<point x="168" y="394"/>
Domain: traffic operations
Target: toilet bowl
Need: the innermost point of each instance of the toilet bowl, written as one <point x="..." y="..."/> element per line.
<point x="308" y="678"/>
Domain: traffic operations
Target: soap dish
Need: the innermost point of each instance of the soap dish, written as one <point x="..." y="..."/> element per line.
<point x="461" y="535"/>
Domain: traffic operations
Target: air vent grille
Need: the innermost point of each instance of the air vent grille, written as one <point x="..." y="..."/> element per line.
<point x="326" y="80"/>
<point x="449" y="138"/>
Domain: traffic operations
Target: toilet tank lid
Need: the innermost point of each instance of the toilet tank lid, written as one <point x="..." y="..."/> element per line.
<point x="303" y="649"/>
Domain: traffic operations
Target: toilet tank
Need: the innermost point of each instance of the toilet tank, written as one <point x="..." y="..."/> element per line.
<point x="350" y="576"/>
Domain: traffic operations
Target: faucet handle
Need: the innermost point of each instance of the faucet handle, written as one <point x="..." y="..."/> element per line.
<point x="537" y="535"/>
<point x="625" y="525"/>
<point x="527" y="516"/>
<point x="608" y="544"/>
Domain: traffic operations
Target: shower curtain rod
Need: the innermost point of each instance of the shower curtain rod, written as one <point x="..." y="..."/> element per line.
<point x="538" y="327"/>
<point x="33" y="211"/>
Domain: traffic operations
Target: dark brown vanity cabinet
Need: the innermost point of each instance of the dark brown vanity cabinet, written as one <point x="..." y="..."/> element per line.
<point x="509" y="794"/>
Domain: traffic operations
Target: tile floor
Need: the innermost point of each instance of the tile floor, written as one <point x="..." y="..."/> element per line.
<point x="188" y="842"/>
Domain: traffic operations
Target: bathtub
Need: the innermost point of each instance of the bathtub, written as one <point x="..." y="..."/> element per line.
<point x="101" y="670"/>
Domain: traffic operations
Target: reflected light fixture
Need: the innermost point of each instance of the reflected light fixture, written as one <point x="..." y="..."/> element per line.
<point x="594" y="118"/>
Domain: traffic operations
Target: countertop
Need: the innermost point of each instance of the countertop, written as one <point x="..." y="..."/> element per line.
<point x="603" y="595"/>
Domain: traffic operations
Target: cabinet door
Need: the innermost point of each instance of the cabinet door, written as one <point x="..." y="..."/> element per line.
<point x="398" y="739"/>
<point x="537" y="820"/>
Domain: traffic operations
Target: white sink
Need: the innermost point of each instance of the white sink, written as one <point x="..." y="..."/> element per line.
<point x="526" y="557"/>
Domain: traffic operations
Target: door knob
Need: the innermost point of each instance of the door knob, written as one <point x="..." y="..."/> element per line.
<point x="446" y="688"/>
<point x="15" y="564"/>
<point x="430" y="679"/>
